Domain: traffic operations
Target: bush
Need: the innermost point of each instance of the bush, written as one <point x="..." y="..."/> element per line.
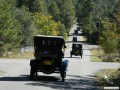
<point x="111" y="57"/>
<point x="96" y="55"/>
<point x="109" y="75"/>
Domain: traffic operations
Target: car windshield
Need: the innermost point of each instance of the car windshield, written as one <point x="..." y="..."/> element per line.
<point x="76" y="46"/>
<point x="48" y="44"/>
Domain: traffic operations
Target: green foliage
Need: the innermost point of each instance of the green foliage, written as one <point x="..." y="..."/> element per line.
<point x="108" y="75"/>
<point x="99" y="55"/>
<point x="111" y="30"/>
<point x="34" y="5"/>
<point x="27" y="29"/>
<point x="67" y="12"/>
<point x="116" y="16"/>
<point x="108" y="43"/>
<point x="84" y="15"/>
<point x="94" y="24"/>
<point x="62" y="30"/>
<point x="61" y="11"/>
<point x="54" y="11"/>
<point x="45" y="25"/>
<point x="9" y="27"/>
<point x="18" y="23"/>
<point x="111" y="57"/>
<point x="20" y="20"/>
<point x="83" y="11"/>
<point x="117" y="6"/>
<point x="96" y="54"/>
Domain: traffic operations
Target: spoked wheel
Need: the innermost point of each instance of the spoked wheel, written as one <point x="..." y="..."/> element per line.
<point x="32" y="72"/>
<point x="63" y="79"/>
<point x="71" y="54"/>
<point x="36" y="73"/>
<point x="81" y="55"/>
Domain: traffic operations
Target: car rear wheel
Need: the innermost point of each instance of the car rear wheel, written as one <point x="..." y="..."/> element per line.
<point x="32" y="72"/>
<point x="81" y="55"/>
<point x="71" y="54"/>
<point x="63" y="75"/>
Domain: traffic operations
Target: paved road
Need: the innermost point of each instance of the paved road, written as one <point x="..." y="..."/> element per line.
<point x="14" y="74"/>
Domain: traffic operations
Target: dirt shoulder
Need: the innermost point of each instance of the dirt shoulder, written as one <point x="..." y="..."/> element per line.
<point x="1" y="72"/>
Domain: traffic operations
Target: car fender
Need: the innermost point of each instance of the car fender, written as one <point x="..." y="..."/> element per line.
<point x="32" y="62"/>
<point x="65" y="64"/>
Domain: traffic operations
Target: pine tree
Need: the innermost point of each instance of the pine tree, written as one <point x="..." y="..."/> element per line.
<point x="116" y="15"/>
<point x="34" y="5"/>
<point x="84" y="16"/>
<point x="9" y="27"/>
<point x="27" y="28"/>
<point x="54" y="11"/>
<point x="67" y="15"/>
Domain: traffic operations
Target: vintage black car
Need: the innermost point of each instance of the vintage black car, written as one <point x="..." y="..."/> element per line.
<point x="78" y="28"/>
<point x="76" y="50"/>
<point x="74" y="39"/>
<point x="76" y="32"/>
<point x="49" y="51"/>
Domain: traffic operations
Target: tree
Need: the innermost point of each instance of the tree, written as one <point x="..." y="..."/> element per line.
<point x="79" y="12"/>
<point x="34" y="5"/>
<point x="9" y="27"/>
<point x="106" y="39"/>
<point x="27" y="29"/>
<point x="54" y="11"/>
<point x="116" y="15"/>
<point x="45" y="25"/>
<point x="62" y="30"/>
<point x="84" y="15"/>
<point x="67" y="15"/>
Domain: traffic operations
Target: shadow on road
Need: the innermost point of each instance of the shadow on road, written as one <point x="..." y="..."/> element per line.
<point x="75" y="82"/>
<point x="83" y="42"/>
<point x="92" y="55"/>
<point x="71" y="83"/>
<point x="79" y="34"/>
<point x="19" y="78"/>
<point x="73" y="57"/>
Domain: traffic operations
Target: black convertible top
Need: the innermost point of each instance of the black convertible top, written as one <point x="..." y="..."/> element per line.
<point x="77" y="46"/>
<point x="48" y="43"/>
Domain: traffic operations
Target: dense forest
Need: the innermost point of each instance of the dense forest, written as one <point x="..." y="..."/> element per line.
<point x="20" y="20"/>
<point x="99" y="20"/>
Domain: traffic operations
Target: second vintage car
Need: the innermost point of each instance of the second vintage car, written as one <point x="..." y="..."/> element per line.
<point x="77" y="50"/>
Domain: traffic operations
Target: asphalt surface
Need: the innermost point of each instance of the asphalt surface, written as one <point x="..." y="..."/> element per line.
<point x="14" y="74"/>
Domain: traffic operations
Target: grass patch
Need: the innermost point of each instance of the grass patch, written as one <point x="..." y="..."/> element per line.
<point x="96" y="53"/>
<point x="96" y="59"/>
<point x="84" y="38"/>
<point x="108" y="77"/>
<point x="112" y="57"/>
<point x="106" y="72"/>
<point x="1" y="72"/>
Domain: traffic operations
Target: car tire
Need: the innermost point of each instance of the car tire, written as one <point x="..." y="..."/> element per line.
<point x="63" y="75"/>
<point x="32" y="72"/>
<point x="71" y="54"/>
